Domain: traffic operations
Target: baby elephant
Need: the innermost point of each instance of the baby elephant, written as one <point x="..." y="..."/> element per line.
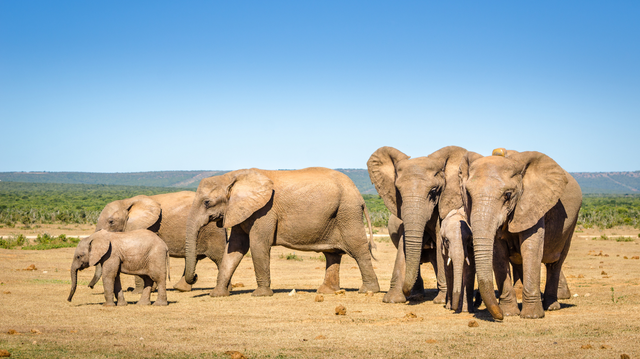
<point x="140" y="252"/>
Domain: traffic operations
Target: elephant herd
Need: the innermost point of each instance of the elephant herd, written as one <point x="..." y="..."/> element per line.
<point x="469" y="216"/>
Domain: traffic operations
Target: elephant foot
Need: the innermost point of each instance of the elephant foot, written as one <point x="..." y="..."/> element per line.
<point x="328" y="289"/>
<point x="109" y="304"/>
<point x="262" y="292"/>
<point x="182" y="286"/>
<point x="394" y="296"/>
<point x="137" y="290"/>
<point x="441" y="298"/>
<point x="532" y="310"/>
<point x="375" y="288"/>
<point x="553" y="306"/>
<point x="219" y="291"/>
<point x="509" y="309"/>
<point x="144" y="302"/>
<point x="564" y="293"/>
<point x="160" y="302"/>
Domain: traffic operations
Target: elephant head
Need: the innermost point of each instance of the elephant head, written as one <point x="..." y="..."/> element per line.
<point x="88" y="253"/>
<point x="412" y="188"/>
<point x="228" y="200"/>
<point x="509" y="189"/>
<point x="139" y="212"/>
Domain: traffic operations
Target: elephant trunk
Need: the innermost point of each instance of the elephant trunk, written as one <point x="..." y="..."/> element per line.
<point x="458" y="264"/>
<point x="415" y="214"/>
<point x="74" y="281"/>
<point x="193" y="229"/>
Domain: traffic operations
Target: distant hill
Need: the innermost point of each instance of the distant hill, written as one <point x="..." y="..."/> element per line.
<point x="590" y="182"/>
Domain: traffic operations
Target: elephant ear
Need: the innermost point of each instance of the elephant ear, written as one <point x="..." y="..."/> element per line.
<point x="144" y="212"/>
<point x="100" y="245"/>
<point x="449" y="157"/>
<point x="382" y="171"/>
<point x="248" y="191"/>
<point x="463" y="176"/>
<point x="543" y="182"/>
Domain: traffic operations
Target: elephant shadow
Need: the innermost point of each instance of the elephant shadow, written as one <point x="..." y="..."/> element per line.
<point x="129" y="302"/>
<point x="246" y="291"/>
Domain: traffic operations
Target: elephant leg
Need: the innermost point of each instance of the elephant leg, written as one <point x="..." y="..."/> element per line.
<point x="531" y="247"/>
<point x="182" y="285"/>
<point x="139" y="284"/>
<point x="145" y="297"/>
<point x="96" y="275"/>
<point x="369" y="278"/>
<point x="117" y="288"/>
<point x="563" y="287"/>
<point x="550" y="297"/>
<point x="235" y="250"/>
<point x="161" y="282"/>
<point x="108" y="283"/>
<point x="395" y="294"/>
<point x="332" y="274"/>
<point x="502" y="271"/>
<point x="468" y="287"/>
<point x="261" y="256"/>
<point x="441" y="298"/>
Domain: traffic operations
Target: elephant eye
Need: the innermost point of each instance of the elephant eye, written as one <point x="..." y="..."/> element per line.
<point x="507" y="196"/>
<point x="206" y="203"/>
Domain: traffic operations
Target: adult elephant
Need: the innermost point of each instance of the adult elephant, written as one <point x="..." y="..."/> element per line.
<point x="416" y="191"/>
<point x="535" y="203"/>
<point x="166" y="215"/>
<point x="313" y="209"/>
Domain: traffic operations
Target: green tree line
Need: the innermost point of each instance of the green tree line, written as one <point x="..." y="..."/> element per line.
<point x="47" y="203"/>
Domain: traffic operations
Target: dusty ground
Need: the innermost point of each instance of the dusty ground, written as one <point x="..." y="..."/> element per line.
<point x="602" y="321"/>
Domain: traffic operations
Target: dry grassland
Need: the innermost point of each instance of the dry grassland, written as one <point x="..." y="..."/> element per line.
<point x="603" y="321"/>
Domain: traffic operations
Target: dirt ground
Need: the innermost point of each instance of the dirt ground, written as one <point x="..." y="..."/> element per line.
<point x="602" y="320"/>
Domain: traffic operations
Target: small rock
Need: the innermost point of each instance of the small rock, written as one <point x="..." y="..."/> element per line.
<point x="587" y="295"/>
<point x="341" y="310"/>
<point x="320" y="337"/>
<point x="319" y="298"/>
<point x="6" y="292"/>
<point x="625" y="356"/>
<point x="36" y="331"/>
<point x="31" y="267"/>
<point x="625" y="257"/>
<point x="431" y="341"/>
<point x="605" y="346"/>
<point x="635" y="257"/>
<point x="603" y="273"/>
<point x="340" y="292"/>
<point x="473" y="324"/>
<point x="45" y="272"/>
<point x="411" y="315"/>
<point x="34" y="342"/>
<point x="4" y="353"/>
<point x="237" y="285"/>
<point x="12" y="332"/>
<point x="580" y="276"/>
<point x="586" y="346"/>
<point x="292" y="293"/>
<point x="73" y="331"/>
<point x="235" y="355"/>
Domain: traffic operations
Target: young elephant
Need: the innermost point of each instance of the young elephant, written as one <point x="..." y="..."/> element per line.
<point x="457" y="247"/>
<point x="165" y="215"/>
<point x="139" y="252"/>
<point x="313" y="209"/>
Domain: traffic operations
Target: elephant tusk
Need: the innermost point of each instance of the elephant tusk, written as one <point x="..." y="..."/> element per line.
<point x="449" y="261"/>
<point x="467" y="258"/>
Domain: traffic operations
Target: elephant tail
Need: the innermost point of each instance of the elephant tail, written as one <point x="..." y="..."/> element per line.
<point x="168" y="267"/>
<point x="372" y="244"/>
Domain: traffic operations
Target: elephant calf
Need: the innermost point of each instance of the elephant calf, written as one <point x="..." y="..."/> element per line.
<point x="457" y="247"/>
<point x="140" y="252"/>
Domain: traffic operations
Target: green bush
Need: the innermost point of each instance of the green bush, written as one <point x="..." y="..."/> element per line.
<point x="13" y="241"/>
<point x="46" y="241"/>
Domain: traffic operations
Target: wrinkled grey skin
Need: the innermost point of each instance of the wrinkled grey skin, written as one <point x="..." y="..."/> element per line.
<point x="313" y="209"/>
<point x="416" y="191"/>
<point x="166" y="215"/>
<point x="535" y="202"/>
<point x="457" y="243"/>
<point x="429" y="255"/>
<point x="140" y="252"/>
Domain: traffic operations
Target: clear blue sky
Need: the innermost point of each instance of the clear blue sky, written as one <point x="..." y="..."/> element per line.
<point x="127" y="86"/>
